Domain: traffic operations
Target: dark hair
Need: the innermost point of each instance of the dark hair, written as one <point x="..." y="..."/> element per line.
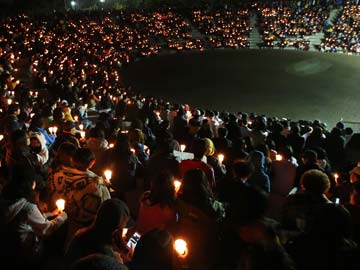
<point x="21" y="184"/>
<point x="82" y="158"/>
<point x="162" y="189"/>
<point x="13" y="108"/>
<point x="97" y="132"/>
<point x="315" y="182"/>
<point x="198" y="148"/>
<point x="65" y="153"/>
<point x="195" y="189"/>
<point x="18" y="138"/>
<point x="223" y="132"/>
<point x="248" y="205"/>
<point x="241" y="169"/>
<point x="154" y="251"/>
<point x="310" y="156"/>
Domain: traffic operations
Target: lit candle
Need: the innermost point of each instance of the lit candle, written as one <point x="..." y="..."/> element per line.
<point x="55" y="129"/>
<point x="124" y="232"/>
<point x="221" y="158"/>
<point x="108" y="175"/>
<point x="82" y="134"/>
<point x="278" y="157"/>
<point x="32" y="115"/>
<point x="336" y="176"/>
<point x="111" y="145"/>
<point x="182" y="147"/>
<point x="9" y="101"/>
<point x="1" y="137"/>
<point x="60" y="204"/>
<point x="177" y="185"/>
<point x="181" y="247"/>
<point x="132" y="150"/>
<point x="81" y="126"/>
<point x="76" y="118"/>
<point x="51" y="130"/>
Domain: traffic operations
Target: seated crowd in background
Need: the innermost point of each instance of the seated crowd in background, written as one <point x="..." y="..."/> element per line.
<point x="88" y="165"/>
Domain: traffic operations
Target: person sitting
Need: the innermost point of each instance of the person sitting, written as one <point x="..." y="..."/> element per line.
<point x="104" y="235"/>
<point x="157" y="208"/>
<point x="83" y="190"/>
<point x="67" y="134"/>
<point x="198" y="148"/>
<point x="25" y="226"/>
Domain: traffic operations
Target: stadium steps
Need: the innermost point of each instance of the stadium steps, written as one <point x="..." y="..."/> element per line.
<point x="255" y="37"/>
<point x="315" y="40"/>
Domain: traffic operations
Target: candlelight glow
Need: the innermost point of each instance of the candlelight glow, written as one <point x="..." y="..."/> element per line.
<point x="82" y="134"/>
<point x="124" y="232"/>
<point x="9" y="101"/>
<point x="108" y="175"/>
<point x="278" y="157"/>
<point x="111" y="145"/>
<point x="76" y="118"/>
<point x="182" y="147"/>
<point x="81" y="126"/>
<point x="1" y="137"/>
<point x="177" y="185"/>
<point x="181" y="247"/>
<point x="221" y="158"/>
<point x="60" y="204"/>
<point x="132" y="150"/>
<point x="55" y="129"/>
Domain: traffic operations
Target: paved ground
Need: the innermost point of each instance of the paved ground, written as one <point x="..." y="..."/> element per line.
<point x="293" y="84"/>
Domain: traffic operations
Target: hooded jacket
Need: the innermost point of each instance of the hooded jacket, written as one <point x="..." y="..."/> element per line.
<point x="259" y="177"/>
<point x="43" y="155"/>
<point x="28" y="226"/>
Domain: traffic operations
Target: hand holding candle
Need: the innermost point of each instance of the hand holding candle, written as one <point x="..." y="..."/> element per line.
<point x="278" y="157"/>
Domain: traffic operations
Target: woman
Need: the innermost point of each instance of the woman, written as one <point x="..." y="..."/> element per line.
<point x="25" y="226"/>
<point x="157" y="208"/>
<point x="104" y="235"/>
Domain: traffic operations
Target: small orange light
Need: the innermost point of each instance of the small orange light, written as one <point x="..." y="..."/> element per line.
<point x="221" y="158"/>
<point x="108" y="175"/>
<point x="278" y="157"/>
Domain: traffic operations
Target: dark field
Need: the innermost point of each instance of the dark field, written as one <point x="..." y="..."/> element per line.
<point x="292" y="84"/>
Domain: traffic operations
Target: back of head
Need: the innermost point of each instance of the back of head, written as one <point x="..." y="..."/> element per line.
<point x="310" y="156"/>
<point x="18" y="139"/>
<point x="154" y="251"/>
<point x="112" y="214"/>
<point x="65" y="154"/>
<point x="315" y="182"/>
<point x="198" y="148"/>
<point x="195" y="188"/>
<point x="241" y="169"/>
<point x="247" y="206"/>
<point x="162" y="189"/>
<point x="83" y="159"/>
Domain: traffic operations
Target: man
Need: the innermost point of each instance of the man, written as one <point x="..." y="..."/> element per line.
<point x="83" y="190"/>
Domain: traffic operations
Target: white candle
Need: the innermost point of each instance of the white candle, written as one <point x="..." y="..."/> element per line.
<point x="221" y="158"/>
<point x="182" y="147"/>
<point x="177" y="185"/>
<point x="60" y="204"/>
<point x="181" y="247"/>
<point x="108" y="175"/>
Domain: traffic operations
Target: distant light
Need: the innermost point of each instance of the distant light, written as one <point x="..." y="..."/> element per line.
<point x="102" y="1"/>
<point x="73" y="3"/>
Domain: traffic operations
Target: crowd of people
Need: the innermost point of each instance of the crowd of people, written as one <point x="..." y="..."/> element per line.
<point x="343" y="35"/>
<point x="224" y="28"/>
<point x="288" y="26"/>
<point x="96" y="176"/>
